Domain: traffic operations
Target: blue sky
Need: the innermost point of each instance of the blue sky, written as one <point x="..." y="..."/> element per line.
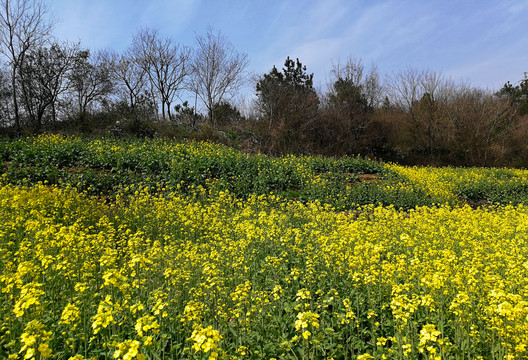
<point x="481" y="42"/>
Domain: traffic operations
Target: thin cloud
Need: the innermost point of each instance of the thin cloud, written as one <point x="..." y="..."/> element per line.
<point x="450" y="36"/>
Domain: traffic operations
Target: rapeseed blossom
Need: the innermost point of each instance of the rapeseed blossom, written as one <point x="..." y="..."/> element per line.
<point x="203" y="273"/>
<point x="206" y="339"/>
<point x="127" y="350"/>
<point x="306" y="319"/>
<point x="35" y="339"/>
<point x="146" y="323"/>
<point x="70" y="315"/>
<point x="29" y="295"/>
<point x="104" y="316"/>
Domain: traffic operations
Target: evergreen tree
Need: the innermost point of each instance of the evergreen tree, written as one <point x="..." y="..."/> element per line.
<point x="289" y="104"/>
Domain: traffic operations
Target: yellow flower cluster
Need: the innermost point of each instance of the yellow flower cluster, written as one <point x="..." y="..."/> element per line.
<point x="146" y="323"/>
<point x="208" y="275"/>
<point x="206" y="339"/>
<point x="444" y="182"/>
<point x="104" y="316"/>
<point x="127" y="350"/>
<point x="70" y="315"/>
<point x="304" y="321"/>
<point x="35" y="339"/>
<point x="29" y="295"/>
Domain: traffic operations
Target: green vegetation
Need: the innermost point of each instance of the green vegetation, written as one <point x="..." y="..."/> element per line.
<point x="151" y="249"/>
<point x="107" y="166"/>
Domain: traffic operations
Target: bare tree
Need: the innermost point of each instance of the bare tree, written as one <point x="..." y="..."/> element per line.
<point x="5" y="98"/>
<point x="404" y="88"/>
<point x="353" y="71"/>
<point x="420" y="93"/>
<point x="23" y="26"/>
<point x="129" y="77"/>
<point x="164" y="62"/>
<point x="480" y="122"/>
<point x="218" y="70"/>
<point x="90" y="80"/>
<point x="43" y="79"/>
<point x="409" y="86"/>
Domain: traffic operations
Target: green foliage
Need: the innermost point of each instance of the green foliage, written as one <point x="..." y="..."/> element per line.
<point x="226" y="114"/>
<point x="492" y="191"/>
<point x="289" y="105"/>
<point x="185" y="114"/>
<point x="106" y="166"/>
<point x="293" y="75"/>
<point x="517" y="94"/>
<point x="276" y="91"/>
<point x="349" y="95"/>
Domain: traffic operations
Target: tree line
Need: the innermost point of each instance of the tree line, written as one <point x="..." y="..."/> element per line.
<point x="52" y="81"/>
<point x="412" y="117"/>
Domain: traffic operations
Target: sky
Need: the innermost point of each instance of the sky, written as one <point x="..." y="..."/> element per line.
<point x="480" y="42"/>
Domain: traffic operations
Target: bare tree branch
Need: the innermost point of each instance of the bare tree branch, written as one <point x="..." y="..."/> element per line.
<point x="164" y="62"/>
<point x="43" y="79"/>
<point x="218" y="70"/>
<point x="90" y="79"/>
<point x="23" y="26"/>
<point x="130" y="78"/>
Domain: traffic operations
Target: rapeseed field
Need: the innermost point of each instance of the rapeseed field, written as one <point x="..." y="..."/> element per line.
<point x="201" y="269"/>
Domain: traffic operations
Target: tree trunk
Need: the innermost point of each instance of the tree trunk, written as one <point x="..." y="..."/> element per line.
<point x="15" y="101"/>
<point x="53" y="113"/>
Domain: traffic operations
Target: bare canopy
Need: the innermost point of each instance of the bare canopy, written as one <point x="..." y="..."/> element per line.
<point x="23" y="26"/>
<point x="165" y="63"/>
<point x="218" y="70"/>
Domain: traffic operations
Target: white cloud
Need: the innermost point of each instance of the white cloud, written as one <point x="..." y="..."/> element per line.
<point x="171" y="17"/>
<point x="100" y="23"/>
<point x="470" y="39"/>
<point x="492" y="71"/>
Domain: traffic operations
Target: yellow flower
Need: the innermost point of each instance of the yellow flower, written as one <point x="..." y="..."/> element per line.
<point x="406" y="349"/>
<point x="29" y="295"/>
<point x="35" y="333"/>
<point x="44" y="350"/>
<point x="146" y="323"/>
<point x="381" y="341"/>
<point x="304" y="319"/>
<point x="70" y="314"/>
<point x="242" y="350"/>
<point x="30" y="353"/>
<point x="147" y="341"/>
<point x="104" y="316"/>
<point x="128" y="350"/>
<point x="429" y="333"/>
<point x="365" y="357"/>
<point x="205" y="339"/>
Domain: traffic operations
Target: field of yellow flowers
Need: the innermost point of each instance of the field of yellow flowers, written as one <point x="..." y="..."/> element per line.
<point x="161" y="264"/>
